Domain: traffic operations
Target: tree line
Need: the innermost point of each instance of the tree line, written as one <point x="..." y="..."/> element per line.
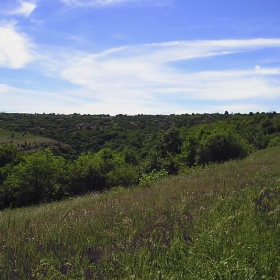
<point x="45" y="175"/>
<point x="75" y="134"/>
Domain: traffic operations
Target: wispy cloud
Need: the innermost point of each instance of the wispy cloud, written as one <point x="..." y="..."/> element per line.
<point x="100" y="3"/>
<point x="145" y="72"/>
<point x="14" y="47"/>
<point x="36" y="101"/>
<point x="145" y="79"/>
<point x="24" y="8"/>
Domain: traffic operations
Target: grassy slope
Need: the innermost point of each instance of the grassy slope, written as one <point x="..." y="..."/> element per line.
<point x="218" y="223"/>
<point x="17" y="138"/>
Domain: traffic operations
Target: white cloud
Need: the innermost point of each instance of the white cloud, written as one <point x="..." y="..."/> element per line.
<point x="144" y="72"/>
<point x="241" y="108"/>
<point x="100" y="3"/>
<point x="25" y="8"/>
<point x="144" y="79"/>
<point x="14" y="48"/>
<point x="15" y="99"/>
<point x="30" y="101"/>
<point x="257" y="68"/>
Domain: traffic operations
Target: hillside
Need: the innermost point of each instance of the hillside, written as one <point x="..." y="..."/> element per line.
<point x="141" y="133"/>
<point x="25" y="141"/>
<point x="220" y="222"/>
<point x="71" y="155"/>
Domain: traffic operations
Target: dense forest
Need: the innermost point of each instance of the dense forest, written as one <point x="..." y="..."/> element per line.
<point x="92" y="153"/>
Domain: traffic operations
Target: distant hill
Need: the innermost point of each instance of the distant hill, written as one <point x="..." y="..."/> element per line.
<point x="77" y="133"/>
<point x="24" y="140"/>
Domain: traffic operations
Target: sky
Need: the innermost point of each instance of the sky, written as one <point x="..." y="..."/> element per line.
<point x="139" y="56"/>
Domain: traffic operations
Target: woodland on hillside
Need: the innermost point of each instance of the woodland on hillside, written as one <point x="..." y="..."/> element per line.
<point x="92" y="153"/>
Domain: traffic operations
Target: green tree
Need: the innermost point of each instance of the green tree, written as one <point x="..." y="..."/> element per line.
<point x="130" y="156"/>
<point x="220" y="146"/>
<point x="154" y="161"/>
<point x="109" y="160"/>
<point x="9" y="154"/>
<point x="38" y="179"/>
<point x="275" y="141"/>
<point x="189" y="150"/>
<point x="170" y="143"/>
<point x="103" y="170"/>
<point x="212" y="143"/>
<point x="125" y="175"/>
<point x="86" y="175"/>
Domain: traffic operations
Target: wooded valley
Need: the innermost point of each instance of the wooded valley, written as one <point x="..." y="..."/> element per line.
<point x="47" y="157"/>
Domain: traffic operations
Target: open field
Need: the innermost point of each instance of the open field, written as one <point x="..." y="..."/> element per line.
<point x="23" y="139"/>
<point x="221" y="222"/>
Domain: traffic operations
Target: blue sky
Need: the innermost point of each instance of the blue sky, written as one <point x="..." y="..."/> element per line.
<point x="139" y="56"/>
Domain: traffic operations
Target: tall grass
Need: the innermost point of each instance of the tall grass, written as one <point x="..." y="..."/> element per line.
<point x="221" y="222"/>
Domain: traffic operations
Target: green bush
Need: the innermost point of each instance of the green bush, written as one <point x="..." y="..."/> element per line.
<point x="213" y="143"/>
<point x="274" y="142"/>
<point x="219" y="147"/>
<point x="155" y="176"/>
<point x="37" y="179"/>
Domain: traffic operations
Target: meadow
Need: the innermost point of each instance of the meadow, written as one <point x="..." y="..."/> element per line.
<point x="24" y="140"/>
<point x="217" y="222"/>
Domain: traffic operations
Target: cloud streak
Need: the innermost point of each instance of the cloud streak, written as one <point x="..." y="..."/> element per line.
<point x="37" y="100"/>
<point x="105" y="3"/>
<point x="25" y="8"/>
<point x="145" y="79"/>
<point x="145" y="72"/>
<point x="14" y="48"/>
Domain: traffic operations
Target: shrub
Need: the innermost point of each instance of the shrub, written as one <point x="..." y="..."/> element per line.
<point x="155" y="176"/>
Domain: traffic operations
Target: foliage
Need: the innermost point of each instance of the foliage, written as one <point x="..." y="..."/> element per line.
<point x="155" y="176"/>
<point x="103" y="170"/>
<point x="220" y="222"/>
<point x="9" y="154"/>
<point x="36" y="179"/>
<point x="99" y="152"/>
<point x="74" y="134"/>
<point x="213" y="143"/>
<point x="154" y="161"/>
<point x="125" y="176"/>
<point x="85" y="175"/>
<point x="130" y="156"/>
<point x="170" y="143"/>
<point x="220" y="146"/>
<point x="275" y="141"/>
